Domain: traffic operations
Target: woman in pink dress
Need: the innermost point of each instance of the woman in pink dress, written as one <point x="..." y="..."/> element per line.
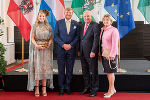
<point x="109" y="38"/>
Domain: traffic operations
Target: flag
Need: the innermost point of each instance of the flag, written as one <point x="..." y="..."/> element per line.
<point x="144" y="7"/>
<point x="56" y="9"/>
<point x="21" y="12"/>
<point x="79" y="6"/>
<point x="122" y="13"/>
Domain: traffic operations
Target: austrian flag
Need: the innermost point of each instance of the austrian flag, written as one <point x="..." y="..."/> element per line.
<point x="22" y="12"/>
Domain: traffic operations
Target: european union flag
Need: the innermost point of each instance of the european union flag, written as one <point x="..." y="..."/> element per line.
<point x="121" y="11"/>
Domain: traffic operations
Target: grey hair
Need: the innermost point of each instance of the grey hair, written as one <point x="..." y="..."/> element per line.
<point x="89" y="12"/>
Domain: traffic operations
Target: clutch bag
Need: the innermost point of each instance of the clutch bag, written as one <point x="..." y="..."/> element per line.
<point x="106" y="52"/>
<point x="45" y="44"/>
<point x="112" y="63"/>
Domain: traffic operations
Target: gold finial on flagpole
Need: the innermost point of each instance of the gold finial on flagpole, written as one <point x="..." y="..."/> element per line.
<point x="148" y="70"/>
<point x="37" y="3"/>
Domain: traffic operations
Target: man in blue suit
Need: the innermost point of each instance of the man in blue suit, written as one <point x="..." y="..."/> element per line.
<point x="66" y="37"/>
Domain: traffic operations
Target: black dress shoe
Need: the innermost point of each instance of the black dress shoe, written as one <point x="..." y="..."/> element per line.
<point x="85" y="91"/>
<point x="68" y="91"/>
<point x="93" y="94"/>
<point x="61" y="92"/>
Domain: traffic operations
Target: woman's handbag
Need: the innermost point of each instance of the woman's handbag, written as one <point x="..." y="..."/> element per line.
<point x="106" y="53"/>
<point x="112" y="63"/>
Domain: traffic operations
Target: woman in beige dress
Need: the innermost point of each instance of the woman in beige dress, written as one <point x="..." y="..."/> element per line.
<point x="40" y="55"/>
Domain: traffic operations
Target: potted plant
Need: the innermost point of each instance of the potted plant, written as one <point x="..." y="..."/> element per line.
<point x="3" y="62"/>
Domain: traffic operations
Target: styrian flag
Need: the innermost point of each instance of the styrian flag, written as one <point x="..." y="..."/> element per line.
<point x="79" y="6"/>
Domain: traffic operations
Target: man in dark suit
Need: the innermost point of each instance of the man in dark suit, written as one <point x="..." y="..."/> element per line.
<point x="89" y="41"/>
<point x="66" y="36"/>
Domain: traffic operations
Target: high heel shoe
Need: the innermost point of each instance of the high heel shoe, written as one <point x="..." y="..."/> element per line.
<point x="108" y="96"/>
<point x="114" y="92"/>
<point x="44" y="92"/>
<point x="36" y="94"/>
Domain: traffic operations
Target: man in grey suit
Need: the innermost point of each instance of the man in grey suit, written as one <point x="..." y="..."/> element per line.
<point x="89" y="41"/>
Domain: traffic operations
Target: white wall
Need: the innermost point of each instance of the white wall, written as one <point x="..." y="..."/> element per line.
<point x="8" y="22"/>
<point x="1" y="9"/>
<point x="136" y="13"/>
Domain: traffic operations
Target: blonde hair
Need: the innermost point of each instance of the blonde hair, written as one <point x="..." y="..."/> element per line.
<point x="108" y="16"/>
<point x="37" y="22"/>
<point x="69" y="9"/>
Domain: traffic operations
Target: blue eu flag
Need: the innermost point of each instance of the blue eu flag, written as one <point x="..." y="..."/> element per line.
<point x="121" y="11"/>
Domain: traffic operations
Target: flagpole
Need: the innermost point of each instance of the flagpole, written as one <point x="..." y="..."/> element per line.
<point x="119" y="69"/>
<point x="22" y="69"/>
<point x="147" y="70"/>
<point x="22" y="51"/>
<point x="119" y="54"/>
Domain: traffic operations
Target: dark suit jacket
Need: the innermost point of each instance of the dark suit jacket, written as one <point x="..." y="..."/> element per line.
<point x="61" y="37"/>
<point x="90" y="42"/>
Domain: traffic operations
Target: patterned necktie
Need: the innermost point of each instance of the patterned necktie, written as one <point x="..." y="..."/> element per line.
<point x="85" y="29"/>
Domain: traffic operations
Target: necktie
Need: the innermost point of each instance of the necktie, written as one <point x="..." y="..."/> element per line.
<point x="68" y="26"/>
<point x="85" y="29"/>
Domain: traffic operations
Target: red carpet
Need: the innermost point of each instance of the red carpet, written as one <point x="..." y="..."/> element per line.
<point x="75" y="96"/>
<point x="14" y="67"/>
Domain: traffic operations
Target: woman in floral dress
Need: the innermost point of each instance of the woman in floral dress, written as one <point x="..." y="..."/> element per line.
<point x="40" y="55"/>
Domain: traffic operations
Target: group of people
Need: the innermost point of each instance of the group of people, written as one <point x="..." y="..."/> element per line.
<point x="92" y="42"/>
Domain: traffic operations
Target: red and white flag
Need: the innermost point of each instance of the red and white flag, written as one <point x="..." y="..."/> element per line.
<point x="22" y="13"/>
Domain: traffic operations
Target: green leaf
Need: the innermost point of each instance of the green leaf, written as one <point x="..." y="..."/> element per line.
<point x="3" y="63"/>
